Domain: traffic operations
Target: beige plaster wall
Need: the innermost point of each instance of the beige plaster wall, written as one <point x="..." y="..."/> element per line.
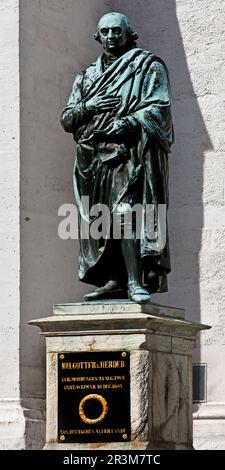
<point x="9" y="200"/>
<point x="56" y="43"/>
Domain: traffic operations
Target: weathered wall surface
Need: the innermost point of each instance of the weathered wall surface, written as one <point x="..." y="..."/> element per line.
<point x="193" y="47"/>
<point x="192" y="44"/>
<point x="9" y="200"/>
<point x="11" y="415"/>
<point x="56" y="43"/>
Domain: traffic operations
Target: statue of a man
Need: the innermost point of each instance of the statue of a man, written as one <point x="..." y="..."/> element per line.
<point x="119" y="114"/>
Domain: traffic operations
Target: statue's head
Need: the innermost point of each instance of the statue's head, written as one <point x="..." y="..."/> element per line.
<point x="115" y="33"/>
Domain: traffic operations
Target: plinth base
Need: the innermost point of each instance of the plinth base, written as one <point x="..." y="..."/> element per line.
<point x="159" y="343"/>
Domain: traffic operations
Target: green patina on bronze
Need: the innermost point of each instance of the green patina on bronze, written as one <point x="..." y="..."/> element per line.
<point x="119" y="113"/>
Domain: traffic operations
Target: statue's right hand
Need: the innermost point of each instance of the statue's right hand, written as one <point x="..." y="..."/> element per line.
<point x="102" y="104"/>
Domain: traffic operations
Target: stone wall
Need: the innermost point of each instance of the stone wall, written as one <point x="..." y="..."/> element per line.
<point x="55" y="43"/>
<point x="9" y="217"/>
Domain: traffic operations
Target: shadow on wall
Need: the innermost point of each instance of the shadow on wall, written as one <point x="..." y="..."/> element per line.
<point x="159" y="31"/>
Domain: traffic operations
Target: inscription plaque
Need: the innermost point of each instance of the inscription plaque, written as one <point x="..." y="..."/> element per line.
<point x="94" y="396"/>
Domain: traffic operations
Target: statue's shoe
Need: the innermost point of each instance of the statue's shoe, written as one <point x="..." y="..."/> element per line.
<point x="139" y="294"/>
<point x="110" y="291"/>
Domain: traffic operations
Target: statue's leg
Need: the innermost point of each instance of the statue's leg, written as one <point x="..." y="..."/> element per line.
<point x="131" y="253"/>
<point x="130" y="247"/>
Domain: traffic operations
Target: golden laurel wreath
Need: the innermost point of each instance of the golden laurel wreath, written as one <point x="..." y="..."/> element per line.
<point x="93" y="396"/>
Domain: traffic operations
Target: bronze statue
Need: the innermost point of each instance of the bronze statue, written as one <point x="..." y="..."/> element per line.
<point x="119" y="114"/>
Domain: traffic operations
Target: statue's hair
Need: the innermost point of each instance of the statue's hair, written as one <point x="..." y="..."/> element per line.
<point x="132" y="36"/>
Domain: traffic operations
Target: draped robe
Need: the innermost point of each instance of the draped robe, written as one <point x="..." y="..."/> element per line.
<point x="109" y="173"/>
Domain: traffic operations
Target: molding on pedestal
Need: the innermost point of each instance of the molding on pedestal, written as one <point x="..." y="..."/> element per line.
<point x="126" y="318"/>
<point x="22" y="424"/>
<point x="122" y="446"/>
<point x="115" y="306"/>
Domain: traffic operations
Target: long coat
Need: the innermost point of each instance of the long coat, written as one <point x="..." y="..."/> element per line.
<point x="108" y="172"/>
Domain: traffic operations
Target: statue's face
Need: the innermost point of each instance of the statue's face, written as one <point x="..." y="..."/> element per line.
<point x="112" y="33"/>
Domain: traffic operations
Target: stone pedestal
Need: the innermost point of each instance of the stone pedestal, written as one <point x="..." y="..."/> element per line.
<point x="160" y="343"/>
